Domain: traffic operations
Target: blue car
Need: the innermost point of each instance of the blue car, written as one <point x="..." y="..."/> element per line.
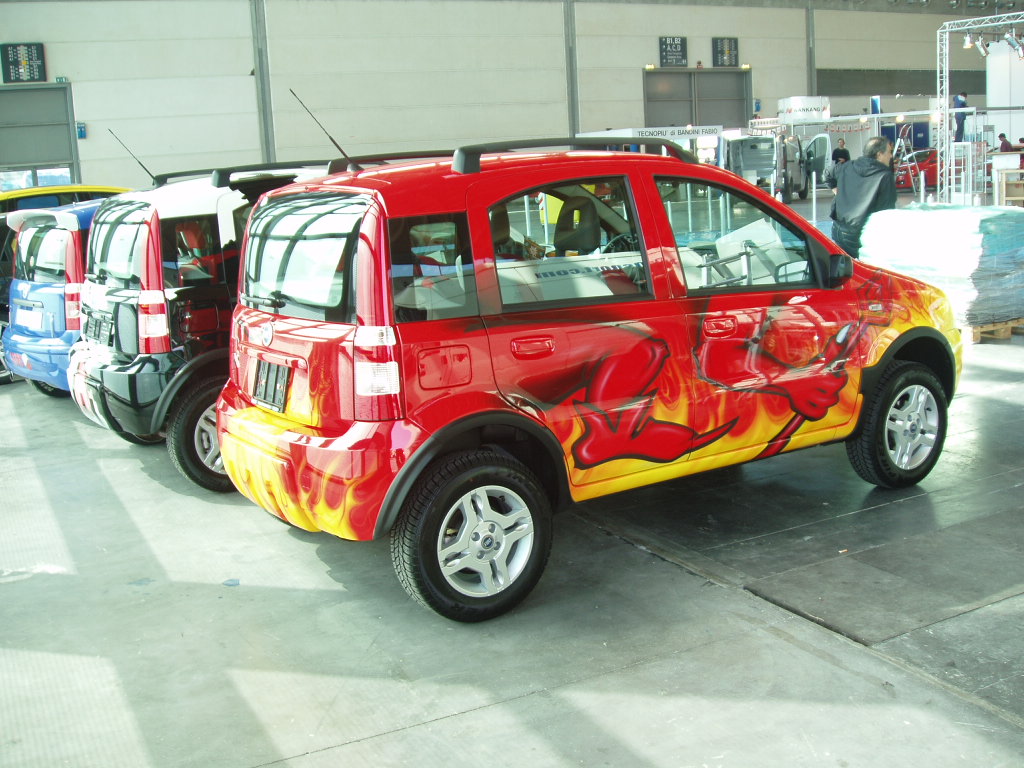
<point x="46" y="293"/>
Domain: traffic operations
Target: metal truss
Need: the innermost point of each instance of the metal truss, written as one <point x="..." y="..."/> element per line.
<point x="944" y="144"/>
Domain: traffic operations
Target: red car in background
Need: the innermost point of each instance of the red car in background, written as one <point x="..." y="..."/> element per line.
<point x="925" y="162"/>
<point x="922" y="163"/>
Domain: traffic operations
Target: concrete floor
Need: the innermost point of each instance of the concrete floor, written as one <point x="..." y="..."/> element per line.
<point x="779" y="614"/>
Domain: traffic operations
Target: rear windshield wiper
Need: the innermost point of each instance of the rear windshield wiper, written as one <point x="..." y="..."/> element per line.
<point x="274" y="301"/>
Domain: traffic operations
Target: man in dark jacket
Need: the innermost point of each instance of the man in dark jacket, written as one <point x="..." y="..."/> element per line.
<point x="863" y="187"/>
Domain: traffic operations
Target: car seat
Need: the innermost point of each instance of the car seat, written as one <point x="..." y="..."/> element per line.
<point x="195" y="263"/>
<point x="578" y="227"/>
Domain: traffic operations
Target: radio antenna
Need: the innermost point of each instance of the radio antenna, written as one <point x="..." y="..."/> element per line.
<point x="151" y="176"/>
<point x="337" y="146"/>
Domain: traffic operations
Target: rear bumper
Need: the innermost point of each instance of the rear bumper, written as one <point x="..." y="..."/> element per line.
<point x="44" y="359"/>
<point x="314" y="479"/>
<point x="120" y="396"/>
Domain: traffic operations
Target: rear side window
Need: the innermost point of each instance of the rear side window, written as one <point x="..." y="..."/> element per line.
<point x="569" y="242"/>
<point x="431" y="267"/>
<point x="299" y="259"/>
<point x="41" y="253"/>
<point x="191" y="253"/>
<point x="725" y="242"/>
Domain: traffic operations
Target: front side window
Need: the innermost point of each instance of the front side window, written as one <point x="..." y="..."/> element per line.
<point x="41" y="253"/>
<point x="569" y="242"/>
<point x="300" y="254"/>
<point x="117" y="243"/>
<point x="432" y="273"/>
<point x="726" y="242"/>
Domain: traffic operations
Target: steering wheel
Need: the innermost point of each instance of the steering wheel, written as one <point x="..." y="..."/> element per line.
<point x="625" y="241"/>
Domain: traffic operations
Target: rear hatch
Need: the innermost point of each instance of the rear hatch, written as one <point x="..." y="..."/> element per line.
<point x="298" y="350"/>
<point x="159" y="277"/>
<point x="46" y="249"/>
<point x="123" y="261"/>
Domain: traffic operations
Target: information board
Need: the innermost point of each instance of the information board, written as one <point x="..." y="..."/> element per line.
<point x="725" y="51"/>
<point x="673" y="51"/>
<point x="23" y="62"/>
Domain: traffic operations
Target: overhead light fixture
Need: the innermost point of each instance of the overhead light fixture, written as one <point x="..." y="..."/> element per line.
<point x="968" y="41"/>
<point x="1014" y="41"/>
<point x="982" y="47"/>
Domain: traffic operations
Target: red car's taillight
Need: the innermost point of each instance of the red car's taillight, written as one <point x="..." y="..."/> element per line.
<point x="154" y="332"/>
<point x="377" y="381"/>
<point x="73" y="306"/>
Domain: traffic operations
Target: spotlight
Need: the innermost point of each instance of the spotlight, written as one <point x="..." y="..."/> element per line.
<point x="968" y="42"/>
<point x="982" y="47"/>
<point x="1014" y="41"/>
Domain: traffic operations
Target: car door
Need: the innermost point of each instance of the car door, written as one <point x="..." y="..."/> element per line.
<point x="816" y="155"/>
<point x="584" y="337"/>
<point x="772" y="347"/>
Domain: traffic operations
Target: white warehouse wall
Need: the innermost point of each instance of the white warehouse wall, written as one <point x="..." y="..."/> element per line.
<point x="391" y="75"/>
<point x="616" y="41"/>
<point x="887" y="41"/>
<point x="174" y="78"/>
<point x="1005" y="77"/>
<point x="169" y="77"/>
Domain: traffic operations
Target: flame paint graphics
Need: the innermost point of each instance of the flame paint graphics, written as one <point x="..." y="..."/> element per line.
<point x="331" y="484"/>
<point x="913" y="304"/>
<point x="646" y="415"/>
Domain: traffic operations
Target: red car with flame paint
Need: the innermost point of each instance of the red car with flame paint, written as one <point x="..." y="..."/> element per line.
<point x="444" y="350"/>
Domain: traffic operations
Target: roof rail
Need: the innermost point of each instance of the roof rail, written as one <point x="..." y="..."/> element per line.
<point x="357" y="163"/>
<point x="221" y="177"/>
<point x="467" y="158"/>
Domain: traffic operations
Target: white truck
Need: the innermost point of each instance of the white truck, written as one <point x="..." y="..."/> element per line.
<point x="781" y="163"/>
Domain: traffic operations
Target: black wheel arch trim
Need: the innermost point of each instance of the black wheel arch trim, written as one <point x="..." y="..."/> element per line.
<point x="182" y="378"/>
<point x="447" y="438"/>
<point x="923" y="345"/>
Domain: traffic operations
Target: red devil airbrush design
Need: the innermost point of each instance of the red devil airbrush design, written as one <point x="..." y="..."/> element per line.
<point x="631" y="379"/>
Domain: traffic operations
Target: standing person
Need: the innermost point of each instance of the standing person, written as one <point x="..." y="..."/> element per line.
<point x="959" y="102"/>
<point x="863" y="187"/>
<point x="840" y="154"/>
<point x="1004" y="143"/>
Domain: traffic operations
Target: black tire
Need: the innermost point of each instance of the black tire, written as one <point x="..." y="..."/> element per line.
<point x="504" y="542"/>
<point x="154" y="439"/>
<point x="803" y="192"/>
<point x="49" y="389"/>
<point x="192" y="436"/>
<point x="902" y="429"/>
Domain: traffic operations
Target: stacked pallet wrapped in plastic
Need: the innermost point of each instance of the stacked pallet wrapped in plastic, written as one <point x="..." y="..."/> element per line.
<point x="976" y="255"/>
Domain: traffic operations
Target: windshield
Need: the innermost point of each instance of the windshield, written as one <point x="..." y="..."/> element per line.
<point x="40" y="254"/>
<point x="117" y="244"/>
<point x="298" y="260"/>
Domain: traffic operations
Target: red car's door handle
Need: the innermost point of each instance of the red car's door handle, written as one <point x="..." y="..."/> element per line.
<point x="530" y="347"/>
<point x="719" y="327"/>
